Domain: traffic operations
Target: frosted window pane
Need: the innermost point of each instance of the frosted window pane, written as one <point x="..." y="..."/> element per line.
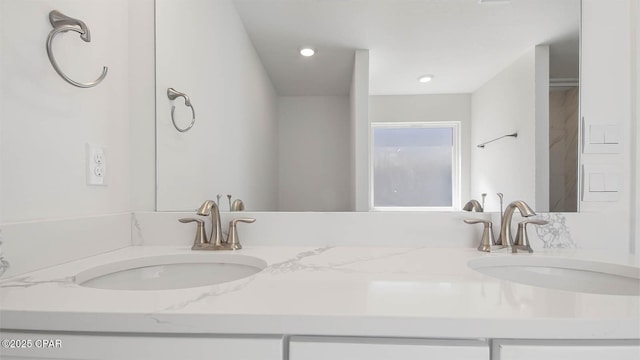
<point x="413" y="167"/>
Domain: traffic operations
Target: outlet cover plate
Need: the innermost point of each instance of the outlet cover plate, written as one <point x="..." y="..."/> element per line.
<point x="96" y="164"/>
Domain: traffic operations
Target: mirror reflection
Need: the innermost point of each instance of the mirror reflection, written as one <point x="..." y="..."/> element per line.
<point x="344" y="129"/>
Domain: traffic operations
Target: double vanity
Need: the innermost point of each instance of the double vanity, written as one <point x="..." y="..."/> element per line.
<point x="283" y="302"/>
<point x="84" y="278"/>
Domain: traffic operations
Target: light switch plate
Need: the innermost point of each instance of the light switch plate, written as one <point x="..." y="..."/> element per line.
<point x="611" y="134"/>
<point x="600" y="183"/>
<point x="601" y="138"/>
<point x="612" y="182"/>
<point x="596" y="134"/>
<point x="596" y="182"/>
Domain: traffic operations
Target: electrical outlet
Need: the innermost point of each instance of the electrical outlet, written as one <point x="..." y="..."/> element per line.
<point x="96" y="165"/>
<point x="98" y="157"/>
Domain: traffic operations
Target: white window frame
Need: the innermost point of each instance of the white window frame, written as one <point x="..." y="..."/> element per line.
<point x="456" y="181"/>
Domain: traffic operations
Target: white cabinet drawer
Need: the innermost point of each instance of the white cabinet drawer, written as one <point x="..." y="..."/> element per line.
<point x="317" y="348"/>
<point x="557" y="350"/>
<point x="140" y="347"/>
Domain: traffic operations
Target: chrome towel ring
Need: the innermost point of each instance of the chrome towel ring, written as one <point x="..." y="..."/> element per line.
<point x="62" y="23"/>
<point x="173" y="94"/>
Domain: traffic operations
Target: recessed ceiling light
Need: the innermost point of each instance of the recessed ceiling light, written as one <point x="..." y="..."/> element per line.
<point x="307" y="51"/>
<point x="425" y="78"/>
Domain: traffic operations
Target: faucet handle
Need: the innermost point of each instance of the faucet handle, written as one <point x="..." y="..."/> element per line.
<point x="534" y="222"/>
<point x="522" y="239"/>
<point x="476" y="221"/>
<point x="233" y="242"/>
<point x="473" y="205"/>
<point x="201" y="233"/>
<point x="488" y="241"/>
<point x="237" y="205"/>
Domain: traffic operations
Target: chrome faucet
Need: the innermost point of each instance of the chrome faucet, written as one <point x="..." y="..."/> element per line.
<point x="505" y="239"/>
<point x="216" y="241"/>
<point x="210" y="207"/>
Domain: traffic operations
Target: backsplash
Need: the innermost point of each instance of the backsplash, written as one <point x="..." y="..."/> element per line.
<point x="318" y="229"/>
<point x="596" y="231"/>
<point x="30" y="246"/>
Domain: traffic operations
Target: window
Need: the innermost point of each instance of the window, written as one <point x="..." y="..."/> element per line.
<point x="415" y="166"/>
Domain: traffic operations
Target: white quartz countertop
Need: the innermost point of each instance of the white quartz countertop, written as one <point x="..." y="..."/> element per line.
<point x="346" y="291"/>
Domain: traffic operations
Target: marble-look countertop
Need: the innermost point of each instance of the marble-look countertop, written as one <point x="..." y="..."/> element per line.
<point x="345" y="291"/>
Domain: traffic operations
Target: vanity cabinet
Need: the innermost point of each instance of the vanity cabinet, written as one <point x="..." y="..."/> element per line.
<point x="138" y="347"/>
<point x="40" y="346"/>
<point x="558" y="350"/>
<point x="334" y="348"/>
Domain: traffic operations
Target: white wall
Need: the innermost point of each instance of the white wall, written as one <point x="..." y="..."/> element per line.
<point x="1" y="112"/>
<point x="46" y="122"/>
<point x="635" y="13"/>
<point x="142" y="114"/>
<point x="427" y="108"/>
<point x="504" y="105"/>
<point x="359" y="120"/>
<point x="605" y="98"/>
<point x="204" y="51"/>
<point x="45" y="203"/>
<point x="313" y="148"/>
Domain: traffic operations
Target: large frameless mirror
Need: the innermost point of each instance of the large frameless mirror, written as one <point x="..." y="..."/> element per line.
<point x="275" y="128"/>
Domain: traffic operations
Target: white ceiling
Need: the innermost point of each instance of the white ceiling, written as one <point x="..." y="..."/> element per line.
<point x="461" y="42"/>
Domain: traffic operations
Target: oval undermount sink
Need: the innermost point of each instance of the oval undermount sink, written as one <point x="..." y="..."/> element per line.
<point x="171" y="271"/>
<point x="563" y="274"/>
